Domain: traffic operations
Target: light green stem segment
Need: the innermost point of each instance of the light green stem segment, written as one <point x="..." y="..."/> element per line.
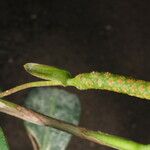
<point x="30" y="85"/>
<point x="97" y="137"/>
<point x="3" y="142"/>
<point x="117" y="142"/>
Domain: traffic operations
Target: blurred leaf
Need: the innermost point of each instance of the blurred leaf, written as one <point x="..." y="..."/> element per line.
<point x="56" y="103"/>
<point x="3" y="142"/>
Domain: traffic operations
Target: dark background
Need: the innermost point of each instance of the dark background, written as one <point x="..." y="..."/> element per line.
<point x="80" y="36"/>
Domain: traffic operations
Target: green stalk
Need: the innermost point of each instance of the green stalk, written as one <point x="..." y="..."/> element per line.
<point x="30" y="85"/>
<point x="84" y="81"/>
<point x="97" y="137"/>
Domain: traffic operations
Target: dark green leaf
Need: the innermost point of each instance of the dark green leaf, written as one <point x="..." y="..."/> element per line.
<point x="3" y="142"/>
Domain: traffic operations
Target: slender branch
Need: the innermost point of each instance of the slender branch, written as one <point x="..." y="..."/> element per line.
<point x="30" y="85"/>
<point x="97" y="137"/>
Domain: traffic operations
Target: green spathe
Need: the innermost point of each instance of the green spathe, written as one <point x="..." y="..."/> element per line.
<point x="47" y="72"/>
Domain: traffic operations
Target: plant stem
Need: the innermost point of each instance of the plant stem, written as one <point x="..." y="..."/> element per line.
<point x="94" y="80"/>
<point x="97" y="137"/>
<point x="30" y="85"/>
